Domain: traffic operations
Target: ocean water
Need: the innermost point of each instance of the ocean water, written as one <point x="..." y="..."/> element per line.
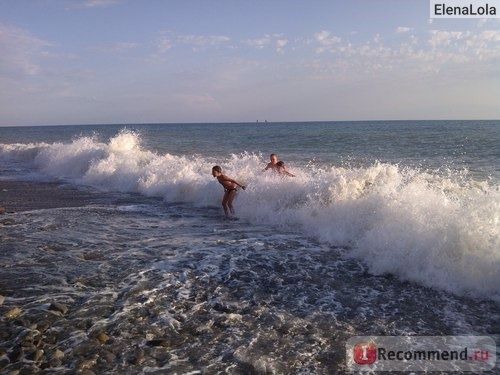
<point x="388" y="228"/>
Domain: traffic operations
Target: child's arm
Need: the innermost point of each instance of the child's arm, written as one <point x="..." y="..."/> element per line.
<point x="225" y="178"/>
<point x="237" y="183"/>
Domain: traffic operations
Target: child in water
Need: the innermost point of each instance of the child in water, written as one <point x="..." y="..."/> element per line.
<point x="277" y="166"/>
<point x="229" y="189"/>
<point x="273" y="165"/>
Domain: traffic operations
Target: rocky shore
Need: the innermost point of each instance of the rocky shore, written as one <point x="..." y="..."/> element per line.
<point x="31" y="336"/>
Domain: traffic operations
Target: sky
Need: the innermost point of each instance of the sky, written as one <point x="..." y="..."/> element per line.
<point x="165" y="61"/>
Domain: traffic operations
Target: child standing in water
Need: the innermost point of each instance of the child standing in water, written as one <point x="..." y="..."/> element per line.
<point x="229" y="189"/>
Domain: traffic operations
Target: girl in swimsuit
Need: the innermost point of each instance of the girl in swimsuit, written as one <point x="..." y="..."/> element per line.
<point x="229" y="189"/>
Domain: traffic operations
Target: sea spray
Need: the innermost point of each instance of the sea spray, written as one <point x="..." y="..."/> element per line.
<point x="69" y="160"/>
<point x="436" y="229"/>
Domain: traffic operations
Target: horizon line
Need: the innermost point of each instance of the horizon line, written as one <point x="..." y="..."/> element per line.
<point x="262" y="122"/>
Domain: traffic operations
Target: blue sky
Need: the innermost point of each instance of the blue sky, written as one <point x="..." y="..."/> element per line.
<point x="130" y="61"/>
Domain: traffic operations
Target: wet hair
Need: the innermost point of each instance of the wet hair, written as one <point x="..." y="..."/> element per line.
<point x="280" y="164"/>
<point x="217" y="169"/>
<point x="270" y="156"/>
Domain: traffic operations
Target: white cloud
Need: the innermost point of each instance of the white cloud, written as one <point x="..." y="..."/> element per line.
<point x="280" y="45"/>
<point x="403" y="29"/>
<point x="490" y="35"/>
<point x="441" y="38"/>
<point x="415" y="57"/>
<point x="164" y="45"/>
<point x="326" y="40"/>
<point x="22" y="52"/>
<point x="98" y="3"/>
<point x="197" y="42"/>
<point x="276" y="40"/>
<point x="259" y="43"/>
<point x="202" y="40"/>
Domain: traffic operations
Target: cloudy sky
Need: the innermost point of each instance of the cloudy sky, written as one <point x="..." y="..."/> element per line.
<point x="132" y="61"/>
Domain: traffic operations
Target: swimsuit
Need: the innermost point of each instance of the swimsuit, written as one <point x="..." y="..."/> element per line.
<point x="228" y="190"/>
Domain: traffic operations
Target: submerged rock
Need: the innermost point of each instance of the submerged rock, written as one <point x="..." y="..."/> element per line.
<point x="168" y="343"/>
<point x="16" y="354"/>
<point x="35" y="355"/>
<point x="12" y="313"/>
<point x="7" y="221"/>
<point x="102" y="337"/>
<point x="58" y="354"/>
<point x="59" y="307"/>
<point x="87" y="364"/>
<point x="4" y="361"/>
<point x="136" y="357"/>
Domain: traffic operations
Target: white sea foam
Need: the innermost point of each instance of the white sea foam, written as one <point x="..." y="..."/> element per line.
<point x="437" y="230"/>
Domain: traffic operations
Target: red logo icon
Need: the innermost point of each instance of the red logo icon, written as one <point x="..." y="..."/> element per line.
<point x="365" y="353"/>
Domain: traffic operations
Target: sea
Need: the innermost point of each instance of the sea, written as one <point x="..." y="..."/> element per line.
<point x="388" y="228"/>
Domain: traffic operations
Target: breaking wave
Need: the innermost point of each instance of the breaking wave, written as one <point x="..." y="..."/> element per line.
<point x="438" y="230"/>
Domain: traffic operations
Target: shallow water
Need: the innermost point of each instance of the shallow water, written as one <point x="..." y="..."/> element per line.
<point x="179" y="289"/>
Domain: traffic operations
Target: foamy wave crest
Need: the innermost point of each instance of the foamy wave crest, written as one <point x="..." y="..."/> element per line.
<point x="422" y="227"/>
<point x="121" y="164"/>
<point x="438" y="231"/>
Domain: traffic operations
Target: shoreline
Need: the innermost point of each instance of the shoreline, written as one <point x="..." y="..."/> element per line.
<point x="17" y="196"/>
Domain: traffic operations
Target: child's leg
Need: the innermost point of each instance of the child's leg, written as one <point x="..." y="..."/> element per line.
<point x="225" y="199"/>
<point x="231" y="196"/>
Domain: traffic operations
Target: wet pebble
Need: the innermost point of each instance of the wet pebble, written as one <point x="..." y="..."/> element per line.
<point x="108" y="357"/>
<point x="87" y="348"/>
<point x="55" y="359"/>
<point x="12" y="313"/>
<point x="35" y="355"/>
<point x="57" y="354"/>
<point x="161" y="356"/>
<point x="4" y="361"/>
<point x="28" y="370"/>
<point x="136" y="357"/>
<point x="7" y="221"/>
<point x="87" y="364"/>
<point x="157" y="342"/>
<point x="58" y="307"/>
<point x="168" y="343"/>
<point x="16" y="354"/>
<point x="83" y="324"/>
<point x="102" y="337"/>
